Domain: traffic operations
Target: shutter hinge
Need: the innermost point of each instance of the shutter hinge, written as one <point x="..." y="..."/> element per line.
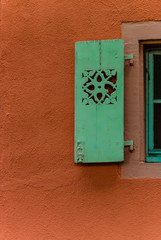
<point x="80" y="152"/>
<point x="130" y="58"/>
<point x="129" y="144"/>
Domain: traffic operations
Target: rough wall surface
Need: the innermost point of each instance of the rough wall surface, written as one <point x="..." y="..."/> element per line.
<point x="44" y="196"/>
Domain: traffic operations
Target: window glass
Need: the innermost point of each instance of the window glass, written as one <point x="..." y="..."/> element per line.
<point x="157" y="126"/>
<point x="157" y="76"/>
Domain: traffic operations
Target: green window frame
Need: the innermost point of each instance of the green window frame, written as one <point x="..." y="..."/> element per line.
<point x="153" y="104"/>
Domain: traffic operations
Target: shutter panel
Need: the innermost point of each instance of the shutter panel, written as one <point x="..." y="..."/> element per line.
<point x="99" y="105"/>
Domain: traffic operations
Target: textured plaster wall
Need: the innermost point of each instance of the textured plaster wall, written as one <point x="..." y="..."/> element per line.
<point x="44" y="196"/>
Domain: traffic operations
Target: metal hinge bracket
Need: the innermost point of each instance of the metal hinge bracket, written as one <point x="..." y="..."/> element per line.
<point x="129" y="144"/>
<point x="130" y="58"/>
<point x="80" y="152"/>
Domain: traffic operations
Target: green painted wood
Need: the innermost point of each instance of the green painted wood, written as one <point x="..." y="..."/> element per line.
<point x="128" y="143"/>
<point x="152" y="155"/>
<point x="128" y="57"/>
<point x="153" y="159"/>
<point x="156" y="100"/>
<point x="147" y="104"/>
<point x="99" y="105"/>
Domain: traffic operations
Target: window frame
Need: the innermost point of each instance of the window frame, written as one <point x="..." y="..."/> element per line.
<point x="136" y="35"/>
<point x="152" y="154"/>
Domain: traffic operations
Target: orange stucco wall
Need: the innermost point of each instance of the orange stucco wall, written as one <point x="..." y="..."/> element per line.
<point x="44" y="194"/>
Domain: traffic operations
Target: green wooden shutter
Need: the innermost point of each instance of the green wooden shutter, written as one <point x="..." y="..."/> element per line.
<point x="99" y="105"/>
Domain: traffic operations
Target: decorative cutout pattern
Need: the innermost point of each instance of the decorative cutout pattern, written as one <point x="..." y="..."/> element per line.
<point x="99" y="86"/>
